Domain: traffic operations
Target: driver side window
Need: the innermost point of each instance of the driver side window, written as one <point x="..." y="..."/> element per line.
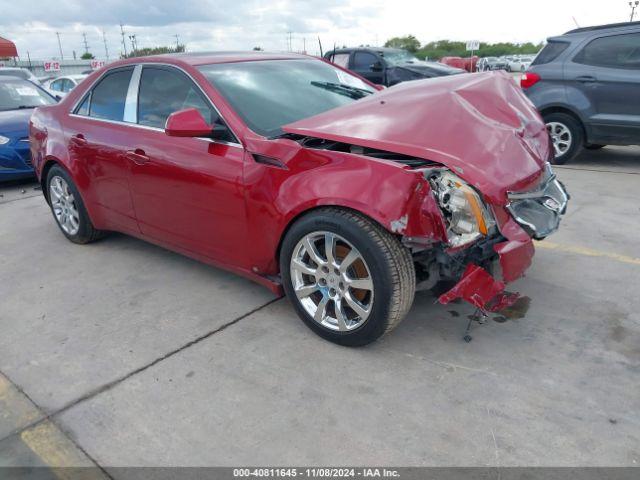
<point x="363" y="61"/>
<point x="164" y="91"/>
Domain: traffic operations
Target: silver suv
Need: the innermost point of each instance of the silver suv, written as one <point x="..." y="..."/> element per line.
<point x="586" y="85"/>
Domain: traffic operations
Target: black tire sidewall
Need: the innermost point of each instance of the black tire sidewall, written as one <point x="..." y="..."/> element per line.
<point x="577" y="135"/>
<point x="379" y="268"/>
<point x="84" y="233"/>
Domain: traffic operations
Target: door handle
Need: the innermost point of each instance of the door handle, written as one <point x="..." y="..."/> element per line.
<point x="586" y="79"/>
<point x="137" y="156"/>
<point x="79" y="139"/>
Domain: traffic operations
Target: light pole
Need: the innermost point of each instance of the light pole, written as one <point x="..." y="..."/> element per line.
<point x="633" y="6"/>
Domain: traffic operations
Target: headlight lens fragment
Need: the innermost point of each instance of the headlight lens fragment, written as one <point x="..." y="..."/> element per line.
<point x="464" y="211"/>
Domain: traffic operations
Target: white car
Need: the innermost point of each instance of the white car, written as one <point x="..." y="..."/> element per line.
<point x="59" y="87"/>
<point x="22" y="73"/>
<point x="520" y="64"/>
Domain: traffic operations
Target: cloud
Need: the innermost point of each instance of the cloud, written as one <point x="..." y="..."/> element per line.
<point x="243" y="24"/>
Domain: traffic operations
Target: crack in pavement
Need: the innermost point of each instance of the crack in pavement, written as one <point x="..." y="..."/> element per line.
<point x="109" y="385"/>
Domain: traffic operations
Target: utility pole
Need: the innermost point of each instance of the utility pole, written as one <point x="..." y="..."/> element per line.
<point x="289" y="45"/>
<point x="177" y="41"/>
<point x="60" y="46"/>
<point x="86" y="45"/>
<point x="633" y="6"/>
<point x="134" y="45"/>
<point x="104" y="39"/>
<point x="124" y="44"/>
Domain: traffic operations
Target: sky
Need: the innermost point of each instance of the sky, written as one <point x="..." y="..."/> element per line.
<point x="243" y="24"/>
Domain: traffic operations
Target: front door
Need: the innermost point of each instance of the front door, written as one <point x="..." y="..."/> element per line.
<point x="187" y="192"/>
<point x="607" y="73"/>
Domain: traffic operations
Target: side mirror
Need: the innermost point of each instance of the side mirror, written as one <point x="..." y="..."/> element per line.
<point x="376" y="67"/>
<point x="58" y="97"/>
<point x="187" y="123"/>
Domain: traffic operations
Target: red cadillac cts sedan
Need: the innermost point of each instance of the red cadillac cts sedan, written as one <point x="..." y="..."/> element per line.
<point x="307" y="179"/>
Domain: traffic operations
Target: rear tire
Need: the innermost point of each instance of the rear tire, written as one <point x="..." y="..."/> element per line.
<point x="382" y="267"/>
<point x="566" y="134"/>
<point x="68" y="209"/>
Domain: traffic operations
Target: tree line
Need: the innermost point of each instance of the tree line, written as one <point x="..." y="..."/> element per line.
<point x="449" y="48"/>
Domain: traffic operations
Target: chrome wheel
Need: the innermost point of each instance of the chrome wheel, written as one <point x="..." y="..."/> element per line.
<point x="64" y="205"/>
<point x="332" y="281"/>
<point x="560" y="137"/>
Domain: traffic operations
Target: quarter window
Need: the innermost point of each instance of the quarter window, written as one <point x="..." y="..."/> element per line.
<point x="164" y="91"/>
<point x="617" y="51"/>
<point x="550" y="52"/>
<point x="109" y="96"/>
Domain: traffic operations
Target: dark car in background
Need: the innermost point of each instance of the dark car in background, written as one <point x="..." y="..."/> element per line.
<point x="586" y="85"/>
<point x="388" y="66"/>
<point x="18" y="98"/>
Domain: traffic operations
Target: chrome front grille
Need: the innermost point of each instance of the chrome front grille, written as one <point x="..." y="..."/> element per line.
<point x="539" y="211"/>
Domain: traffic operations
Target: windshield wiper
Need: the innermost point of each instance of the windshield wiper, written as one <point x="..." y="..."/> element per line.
<point x="341" y="88"/>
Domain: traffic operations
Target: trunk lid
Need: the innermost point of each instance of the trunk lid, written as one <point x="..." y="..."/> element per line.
<point x="481" y="126"/>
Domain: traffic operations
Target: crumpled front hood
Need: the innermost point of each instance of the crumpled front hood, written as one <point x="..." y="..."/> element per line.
<point x="479" y="125"/>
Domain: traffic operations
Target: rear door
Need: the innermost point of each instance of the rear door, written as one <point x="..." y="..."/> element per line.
<point x="98" y="135"/>
<point x="606" y="72"/>
<point x="369" y="66"/>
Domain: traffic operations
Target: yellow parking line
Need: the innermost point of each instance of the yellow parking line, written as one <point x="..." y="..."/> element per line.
<point x="589" y="252"/>
<point x="55" y="449"/>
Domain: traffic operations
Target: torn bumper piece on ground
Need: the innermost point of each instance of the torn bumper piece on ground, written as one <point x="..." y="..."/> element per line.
<point x="481" y="290"/>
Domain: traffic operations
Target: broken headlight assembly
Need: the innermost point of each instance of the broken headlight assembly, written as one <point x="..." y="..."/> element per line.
<point x="465" y="213"/>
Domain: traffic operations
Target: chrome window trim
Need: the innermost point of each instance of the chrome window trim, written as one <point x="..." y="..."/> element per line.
<point x="130" y="114"/>
<point x="148" y="64"/>
<point x="155" y="129"/>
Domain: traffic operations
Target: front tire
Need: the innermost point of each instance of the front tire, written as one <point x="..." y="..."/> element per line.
<point x="566" y="134"/>
<point x="68" y="209"/>
<point x="348" y="278"/>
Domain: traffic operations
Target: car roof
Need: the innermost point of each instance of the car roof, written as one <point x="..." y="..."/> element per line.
<point x="11" y="78"/>
<point x="374" y="49"/>
<point x="610" y="26"/>
<point x="207" y="58"/>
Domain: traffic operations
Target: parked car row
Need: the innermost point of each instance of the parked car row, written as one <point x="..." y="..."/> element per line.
<point x="517" y="63"/>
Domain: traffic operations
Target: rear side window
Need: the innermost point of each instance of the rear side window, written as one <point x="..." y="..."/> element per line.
<point x="109" y="96"/>
<point x="550" y="52"/>
<point x="164" y="91"/>
<point x="617" y="51"/>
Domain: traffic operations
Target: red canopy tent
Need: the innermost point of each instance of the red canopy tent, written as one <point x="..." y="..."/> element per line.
<point x="7" y="48"/>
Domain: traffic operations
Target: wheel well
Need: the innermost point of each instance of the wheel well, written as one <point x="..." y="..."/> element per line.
<point x="49" y="163"/>
<point x="566" y="111"/>
<point x="314" y="209"/>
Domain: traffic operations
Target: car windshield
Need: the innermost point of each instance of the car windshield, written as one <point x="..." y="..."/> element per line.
<point x="268" y="94"/>
<point x="17" y="94"/>
<point x="399" y="57"/>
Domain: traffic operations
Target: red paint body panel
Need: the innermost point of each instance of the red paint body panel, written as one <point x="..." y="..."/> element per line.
<point x="214" y="202"/>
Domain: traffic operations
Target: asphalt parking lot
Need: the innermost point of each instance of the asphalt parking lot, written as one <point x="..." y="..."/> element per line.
<point x="121" y="353"/>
